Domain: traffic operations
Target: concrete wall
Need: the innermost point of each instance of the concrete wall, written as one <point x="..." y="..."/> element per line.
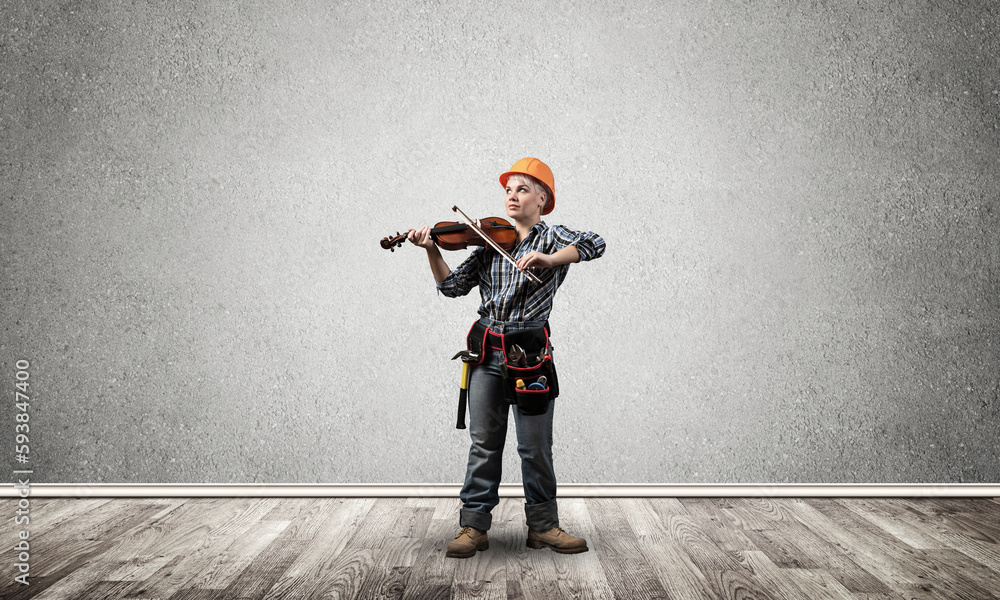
<point x="800" y="203"/>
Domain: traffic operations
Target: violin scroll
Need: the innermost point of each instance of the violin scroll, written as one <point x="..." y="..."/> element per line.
<point x="391" y="243"/>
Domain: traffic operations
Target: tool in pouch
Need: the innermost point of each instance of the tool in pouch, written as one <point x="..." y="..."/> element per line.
<point x="527" y="359"/>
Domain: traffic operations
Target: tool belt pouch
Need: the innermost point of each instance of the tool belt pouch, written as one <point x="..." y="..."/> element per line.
<point x="528" y="358"/>
<point x="475" y="344"/>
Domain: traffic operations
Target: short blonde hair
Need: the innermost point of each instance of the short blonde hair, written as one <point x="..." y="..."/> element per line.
<point x="540" y="187"/>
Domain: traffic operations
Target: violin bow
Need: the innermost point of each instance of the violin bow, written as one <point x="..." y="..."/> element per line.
<point x="495" y="245"/>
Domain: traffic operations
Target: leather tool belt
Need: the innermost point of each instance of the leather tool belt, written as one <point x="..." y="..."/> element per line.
<point x="528" y="371"/>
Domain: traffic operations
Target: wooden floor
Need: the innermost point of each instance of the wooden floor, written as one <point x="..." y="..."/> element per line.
<point x="197" y="549"/>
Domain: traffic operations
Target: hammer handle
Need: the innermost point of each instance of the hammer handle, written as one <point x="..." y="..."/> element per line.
<point x="461" y="409"/>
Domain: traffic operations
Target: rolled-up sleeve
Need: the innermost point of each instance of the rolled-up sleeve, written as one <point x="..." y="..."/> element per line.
<point x="588" y="244"/>
<point x="463" y="278"/>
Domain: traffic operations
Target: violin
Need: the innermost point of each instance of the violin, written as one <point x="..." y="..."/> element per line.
<point x="495" y="232"/>
<point x="452" y="235"/>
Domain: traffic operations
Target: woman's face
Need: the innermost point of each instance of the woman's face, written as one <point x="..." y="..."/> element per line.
<point x="522" y="201"/>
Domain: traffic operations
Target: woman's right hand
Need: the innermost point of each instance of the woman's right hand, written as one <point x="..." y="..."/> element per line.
<point x="421" y="237"/>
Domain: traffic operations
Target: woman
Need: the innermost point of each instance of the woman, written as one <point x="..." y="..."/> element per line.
<point x="512" y="303"/>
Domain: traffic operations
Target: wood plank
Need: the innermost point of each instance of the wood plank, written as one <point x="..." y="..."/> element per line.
<point x="724" y="571"/>
<point x="929" y="515"/>
<point x="194" y="594"/>
<point x="972" y="532"/>
<point x="581" y="575"/>
<point x="186" y="528"/>
<point x="977" y="524"/>
<point x="435" y="569"/>
<point x="88" y="525"/>
<point x="420" y="590"/>
<point x="966" y="571"/>
<point x="739" y="585"/>
<point x="388" y="521"/>
<point x="877" y="571"/>
<point x="56" y="514"/>
<point x="74" y="573"/>
<point x="196" y="565"/>
<point x="479" y="590"/>
<point x="225" y="566"/>
<point x="181" y="533"/>
<point x="982" y="506"/>
<point x="985" y="553"/>
<point x="627" y="571"/>
<point x="304" y="515"/>
<point x="257" y="579"/>
<point x="807" y="534"/>
<point x="385" y="582"/>
<point x="704" y="553"/>
<point x="722" y="527"/>
<point x="138" y="568"/>
<point x="243" y="514"/>
<point x="105" y="590"/>
<point x="757" y="514"/>
<point x="537" y="590"/>
<point x="781" y="550"/>
<point x="890" y="515"/>
<point x="327" y="553"/>
<point x="174" y="576"/>
<point x="48" y="564"/>
<point x="911" y="569"/>
<point x="678" y="575"/>
<point x="923" y="592"/>
<point x="944" y="570"/>
<point x="797" y="538"/>
<point x="341" y="576"/>
<point x="814" y="584"/>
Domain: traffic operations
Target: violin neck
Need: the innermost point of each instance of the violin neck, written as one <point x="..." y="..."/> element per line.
<point x="453" y="228"/>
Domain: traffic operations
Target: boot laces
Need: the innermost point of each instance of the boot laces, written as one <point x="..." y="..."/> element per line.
<point x="467" y="530"/>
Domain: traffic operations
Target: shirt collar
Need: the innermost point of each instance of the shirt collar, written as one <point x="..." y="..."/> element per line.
<point x="538" y="227"/>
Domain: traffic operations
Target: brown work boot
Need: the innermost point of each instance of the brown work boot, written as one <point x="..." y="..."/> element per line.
<point x="467" y="542"/>
<point x="556" y="539"/>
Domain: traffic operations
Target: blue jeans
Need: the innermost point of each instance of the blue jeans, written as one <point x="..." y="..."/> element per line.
<point x="488" y="415"/>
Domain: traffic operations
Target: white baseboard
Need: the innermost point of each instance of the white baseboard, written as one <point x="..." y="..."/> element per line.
<point x="507" y="490"/>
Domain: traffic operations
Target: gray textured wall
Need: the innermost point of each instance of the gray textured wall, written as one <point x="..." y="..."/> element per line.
<point x="800" y="202"/>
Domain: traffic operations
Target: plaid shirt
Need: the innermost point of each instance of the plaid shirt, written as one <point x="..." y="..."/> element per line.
<point x="507" y="294"/>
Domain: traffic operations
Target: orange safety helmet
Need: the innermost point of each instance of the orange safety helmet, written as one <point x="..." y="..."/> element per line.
<point x="538" y="170"/>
